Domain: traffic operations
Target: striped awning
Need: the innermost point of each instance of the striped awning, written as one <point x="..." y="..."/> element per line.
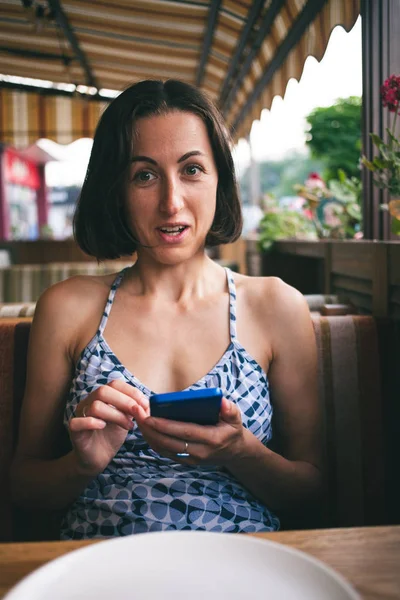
<point x="27" y="116"/>
<point x="241" y="52"/>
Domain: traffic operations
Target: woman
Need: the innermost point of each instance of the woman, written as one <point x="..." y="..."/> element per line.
<point x="161" y="181"/>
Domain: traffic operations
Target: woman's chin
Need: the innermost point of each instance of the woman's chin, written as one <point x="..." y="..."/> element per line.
<point x="172" y="256"/>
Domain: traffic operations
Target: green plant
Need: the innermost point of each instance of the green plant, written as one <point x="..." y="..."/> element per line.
<point x="46" y="232"/>
<point x="347" y="190"/>
<point x="316" y="194"/>
<point x="386" y="166"/>
<point x="279" y="223"/>
<point x="335" y="210"/>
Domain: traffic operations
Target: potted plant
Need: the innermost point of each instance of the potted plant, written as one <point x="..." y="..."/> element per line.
<point x="346" y="191"/>
<point x="281" y="223"/>
<point x="335" y="209"/>
<point x="386" y="166"/>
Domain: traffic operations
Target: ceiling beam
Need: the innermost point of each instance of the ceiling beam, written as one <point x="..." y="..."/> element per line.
<point x="65" y="25"/>
<point x="265" y="27"/>
<point x="211" y="23"/>
<point x="305" y="17"/>
<point x="36" y="54"/>
<point x="250" y="22"/>
<point x="187" y="3"/>
<point x="224" y="10"/>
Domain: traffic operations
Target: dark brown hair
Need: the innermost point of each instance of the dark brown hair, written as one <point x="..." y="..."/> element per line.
<point x="100" y="225"/>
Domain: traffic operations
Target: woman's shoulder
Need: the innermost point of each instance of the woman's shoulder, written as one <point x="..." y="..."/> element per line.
<point x="273" y="288"/>
<point x="271" y="297"/>
<point x="72" y="301"/>
<point x="69" y="311"/>
<point x="77" y="289"/>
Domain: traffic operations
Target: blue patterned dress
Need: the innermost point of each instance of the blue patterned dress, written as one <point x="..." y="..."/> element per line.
<point x="142" y="491"/>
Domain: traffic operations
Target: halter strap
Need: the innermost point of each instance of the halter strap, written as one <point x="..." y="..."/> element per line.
<point x="116" y="283"/>
<point x="232" y="303"/>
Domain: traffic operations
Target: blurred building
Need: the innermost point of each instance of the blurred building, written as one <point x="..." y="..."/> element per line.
<point x="23" y="192"/>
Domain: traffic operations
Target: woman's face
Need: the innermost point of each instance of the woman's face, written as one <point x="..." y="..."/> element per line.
<point x="172" y="187"/>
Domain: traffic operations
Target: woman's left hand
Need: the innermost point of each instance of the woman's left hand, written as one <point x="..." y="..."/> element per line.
<point x="206" y="444"/>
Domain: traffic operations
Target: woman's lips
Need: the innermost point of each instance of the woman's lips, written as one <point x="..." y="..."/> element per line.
<point x="173" y="238"/>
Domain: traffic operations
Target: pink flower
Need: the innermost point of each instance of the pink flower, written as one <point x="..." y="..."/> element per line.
<point x="315" y="175"/>
<point x="390" y="92"/>
<point x="314" y="181"/>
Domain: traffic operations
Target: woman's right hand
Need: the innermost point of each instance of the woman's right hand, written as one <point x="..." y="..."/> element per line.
<point x="101" y="423"/>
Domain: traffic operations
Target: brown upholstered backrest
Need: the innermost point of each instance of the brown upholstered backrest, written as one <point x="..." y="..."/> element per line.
<point x="14" y="335"/>
<point x="357" y="456"/>
<point x="15" y="523"/>
<point x="350" y="387"/>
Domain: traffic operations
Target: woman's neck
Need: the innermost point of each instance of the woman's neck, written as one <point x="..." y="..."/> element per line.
<point x="193" y="278"/>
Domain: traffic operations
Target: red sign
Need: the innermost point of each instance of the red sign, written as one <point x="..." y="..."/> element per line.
<point x="20" y="171"/>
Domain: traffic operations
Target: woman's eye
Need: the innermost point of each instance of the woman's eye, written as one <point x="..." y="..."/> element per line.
<point x="193" y="170"/>
<point x="143" y="176"/>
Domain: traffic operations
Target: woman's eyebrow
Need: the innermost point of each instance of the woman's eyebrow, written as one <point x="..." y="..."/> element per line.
<point x="143" y="159"/>
<point x="189" y="154"/>
<point x="154" y="162"/>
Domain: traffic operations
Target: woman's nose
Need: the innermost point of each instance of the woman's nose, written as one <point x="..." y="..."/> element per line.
<point x="172" y="197"/>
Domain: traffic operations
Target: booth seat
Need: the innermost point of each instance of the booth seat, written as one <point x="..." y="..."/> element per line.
<point x="358" y="390"/>
<point x="317" y="301"/>
<point x="17" y="309"/>
<point x="25" y="283"/>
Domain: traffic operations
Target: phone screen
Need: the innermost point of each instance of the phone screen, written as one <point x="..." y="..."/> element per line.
<point x="191" y="406"/>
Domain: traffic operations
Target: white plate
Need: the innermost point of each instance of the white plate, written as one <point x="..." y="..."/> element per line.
<point x="184" y="565"/>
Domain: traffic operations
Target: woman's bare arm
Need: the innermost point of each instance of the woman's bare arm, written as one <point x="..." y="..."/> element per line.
<point x="293" y="478"/>
<point x="66" y="317"/>
<point x="38" y="477"/>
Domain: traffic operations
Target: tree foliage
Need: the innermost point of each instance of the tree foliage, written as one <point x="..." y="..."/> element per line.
<point x="335" y="136"/>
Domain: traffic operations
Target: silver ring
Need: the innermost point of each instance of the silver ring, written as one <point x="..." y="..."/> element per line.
<point x="84" y="411"/>
<point x="185" y="452"/>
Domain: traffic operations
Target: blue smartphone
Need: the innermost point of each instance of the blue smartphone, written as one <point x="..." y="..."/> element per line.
<point x="192" y="406"/>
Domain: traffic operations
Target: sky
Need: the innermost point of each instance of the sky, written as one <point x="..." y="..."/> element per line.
<point x="280" y="130"/>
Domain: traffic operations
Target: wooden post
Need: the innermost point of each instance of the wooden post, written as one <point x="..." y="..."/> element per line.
<point x="41" y="199"/>
<point x="381" y="58"/>
<point x="327" y="268"/>
<point x="380" y="280"/>
<point x="4" y="210"/>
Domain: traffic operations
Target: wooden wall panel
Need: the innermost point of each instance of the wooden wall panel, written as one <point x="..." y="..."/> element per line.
<point x="366" y="272"/>
<point x="361" y="268"/>
<point x="353" y="259"/>
<point x="394" y="280"/>
<point x="355" y="291"/>
<point x="44" y="251"/>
